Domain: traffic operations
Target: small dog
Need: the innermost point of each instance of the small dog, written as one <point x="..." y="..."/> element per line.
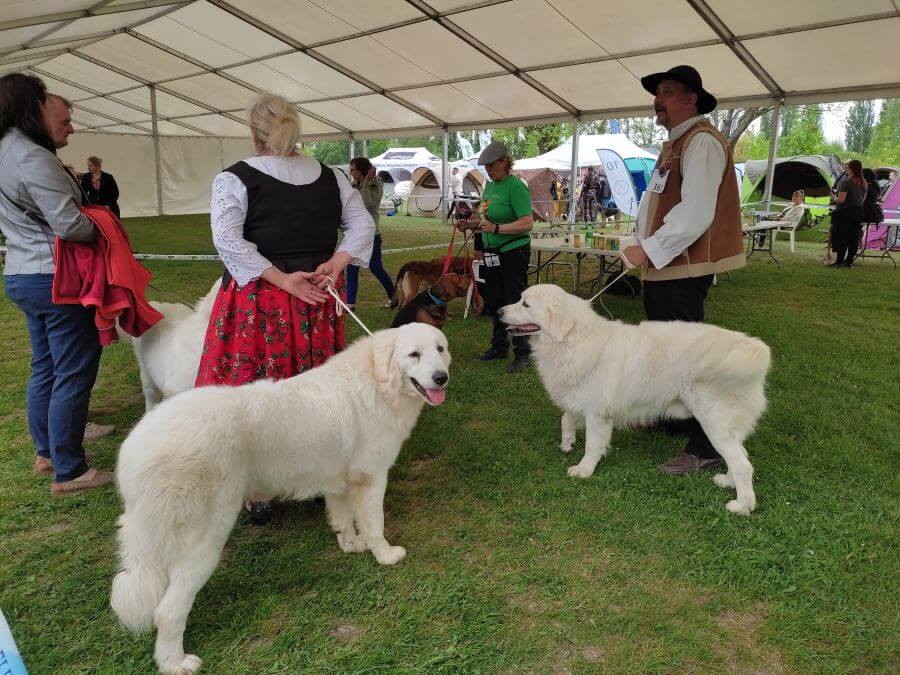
<point x="430" y="306"/>
<point x="417" y="275"/>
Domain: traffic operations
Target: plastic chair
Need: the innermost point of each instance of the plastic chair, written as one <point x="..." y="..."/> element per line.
<point x="788" y="231"/>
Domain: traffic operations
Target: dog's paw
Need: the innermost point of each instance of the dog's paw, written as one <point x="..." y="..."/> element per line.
<point x="565" y="448"/>
<point x="351" y="543"/>
<point x="188" y="665"/>
<point x="390" y="555"/>
<point x="723" y="480"/>
<point x="579" y="471"/>
<point x="740" y="508"/>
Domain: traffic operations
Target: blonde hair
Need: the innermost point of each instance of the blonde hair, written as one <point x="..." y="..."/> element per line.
<point x="275" y="124"/>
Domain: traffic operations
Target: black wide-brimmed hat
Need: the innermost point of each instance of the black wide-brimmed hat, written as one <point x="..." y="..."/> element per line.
<point x="690" y="78"/>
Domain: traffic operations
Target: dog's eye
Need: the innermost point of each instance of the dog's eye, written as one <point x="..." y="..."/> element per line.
<point x="525" y="304"/>
<point x="440" y="349"/>
<point x="414" y="355"/>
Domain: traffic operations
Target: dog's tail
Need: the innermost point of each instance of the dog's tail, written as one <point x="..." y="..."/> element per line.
<point x="139" y="586"/>
<point x="747" y="361"/>
<point x="397" y="297"/>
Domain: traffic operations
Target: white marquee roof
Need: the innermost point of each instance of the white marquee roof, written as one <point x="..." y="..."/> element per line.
<point x="383" y="68"/>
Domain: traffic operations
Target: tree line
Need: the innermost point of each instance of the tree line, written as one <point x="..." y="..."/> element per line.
<point x="875" y="142"/>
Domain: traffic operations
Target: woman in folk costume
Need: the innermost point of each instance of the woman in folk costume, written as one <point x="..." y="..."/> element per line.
<point x="275" y="222"/>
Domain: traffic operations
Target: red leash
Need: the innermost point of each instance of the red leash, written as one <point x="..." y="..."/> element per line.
<point x="449" y="258"/>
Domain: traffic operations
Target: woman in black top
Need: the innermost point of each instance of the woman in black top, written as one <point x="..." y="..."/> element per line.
<point x="847" y="217"/>
<point x="99" y="186"/>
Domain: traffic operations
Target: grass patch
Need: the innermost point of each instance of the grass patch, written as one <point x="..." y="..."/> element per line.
<point x="512" y="566"/>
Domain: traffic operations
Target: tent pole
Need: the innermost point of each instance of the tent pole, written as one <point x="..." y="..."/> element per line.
<point x="365" y="148"/>
<point x="445" y="179"/>
<point x="773" y="151"/>
<point x="574" y="171"/>
<point x="352" y="148"/>
<point x="153" y="117"/>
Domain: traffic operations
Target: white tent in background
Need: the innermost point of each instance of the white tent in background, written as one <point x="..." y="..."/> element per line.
<point x="560" y="158"/>
<point x="397" y="164"/>
<point x="425" y="193"/>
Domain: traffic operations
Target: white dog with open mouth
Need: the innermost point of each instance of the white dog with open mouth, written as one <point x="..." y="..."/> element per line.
<point x="185" y="470"/>
<point x="607" y="373"/>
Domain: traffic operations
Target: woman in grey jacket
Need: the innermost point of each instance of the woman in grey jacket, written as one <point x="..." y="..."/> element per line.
<point x="39" y="201"/>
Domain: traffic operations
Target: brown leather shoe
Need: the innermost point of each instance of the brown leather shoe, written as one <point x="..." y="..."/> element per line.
<point x="688" y="463"/>
<point x="94" y="478"/>
<point x="94" y="431"/>
<point x="44" y="466"/>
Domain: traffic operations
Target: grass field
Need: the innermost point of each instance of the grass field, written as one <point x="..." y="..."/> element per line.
<point x="513" y="566"/>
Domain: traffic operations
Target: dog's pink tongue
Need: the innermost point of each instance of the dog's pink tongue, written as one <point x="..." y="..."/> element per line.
<point x="436" y="396"/>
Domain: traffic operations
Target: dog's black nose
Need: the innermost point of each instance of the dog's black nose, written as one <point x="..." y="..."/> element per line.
<point x="440" y="377"/>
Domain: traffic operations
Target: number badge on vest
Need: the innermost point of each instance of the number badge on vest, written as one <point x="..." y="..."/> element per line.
<point x="491" y="260"/>
<point x="658" y="179"/>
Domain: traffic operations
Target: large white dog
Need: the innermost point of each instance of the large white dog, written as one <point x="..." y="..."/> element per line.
<point x="168" y="354"/>
<point x="605" y="374"/>
<point x="185" y="470"/>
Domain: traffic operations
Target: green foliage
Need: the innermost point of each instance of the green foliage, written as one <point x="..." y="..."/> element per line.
<point x="765" y="125"/>
<point x="860" y="123"/>
<point x="885" y="143"/>
<point x="803" y="134"/>
<point x="531" y="141"/>
<point x="751" y="146"/>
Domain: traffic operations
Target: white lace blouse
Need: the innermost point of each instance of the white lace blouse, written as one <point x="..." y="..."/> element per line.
<point x="228" y="210"/>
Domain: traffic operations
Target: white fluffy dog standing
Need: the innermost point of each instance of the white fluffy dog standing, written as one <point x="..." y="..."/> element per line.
<point x="607" y="373"/>
<point x="185" y="470"/>
<point x="168" y="354"/>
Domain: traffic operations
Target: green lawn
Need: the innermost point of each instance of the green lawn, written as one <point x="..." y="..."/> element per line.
<point x="513" y="566"/>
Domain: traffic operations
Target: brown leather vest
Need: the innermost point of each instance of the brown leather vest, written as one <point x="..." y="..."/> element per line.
<point x="720" y="248"/>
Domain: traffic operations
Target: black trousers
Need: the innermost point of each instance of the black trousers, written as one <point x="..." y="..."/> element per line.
<point x="846" y="228"/>
<point x="503" y="285"/>
<point x="681" y="300"/>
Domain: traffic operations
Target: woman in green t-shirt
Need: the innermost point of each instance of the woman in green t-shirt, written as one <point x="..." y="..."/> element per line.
<point x="505" y="222"/>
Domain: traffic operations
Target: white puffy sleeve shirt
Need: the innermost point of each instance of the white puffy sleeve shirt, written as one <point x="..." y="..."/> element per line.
<point x="702" y="166"/>
<point x="228" y="211"/>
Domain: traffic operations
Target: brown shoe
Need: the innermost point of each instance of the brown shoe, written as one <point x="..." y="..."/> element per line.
<point x="94" y="431"/>
<point x="94" y="478"/>
<point x="44" y="466"/>
<point x="688" y="463"/>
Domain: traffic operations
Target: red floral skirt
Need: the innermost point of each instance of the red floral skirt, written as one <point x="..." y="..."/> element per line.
<point x="262" y="332"/>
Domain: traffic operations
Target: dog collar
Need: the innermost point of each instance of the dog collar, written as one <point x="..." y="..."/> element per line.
<point x="437" y="301"/>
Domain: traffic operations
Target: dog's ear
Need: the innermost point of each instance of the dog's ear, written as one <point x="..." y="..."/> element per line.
<point x="559" y="324"/>
<point x="383" y="354"/>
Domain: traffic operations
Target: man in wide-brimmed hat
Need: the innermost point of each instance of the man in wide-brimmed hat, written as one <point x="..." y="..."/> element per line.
<point x="688" y="225"/>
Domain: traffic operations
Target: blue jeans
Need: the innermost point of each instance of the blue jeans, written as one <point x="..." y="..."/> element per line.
<point x="65" y="356"/>
<point x="377" y="269"/>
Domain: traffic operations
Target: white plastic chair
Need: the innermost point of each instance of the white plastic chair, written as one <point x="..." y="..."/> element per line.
<point x="788" y="231"/>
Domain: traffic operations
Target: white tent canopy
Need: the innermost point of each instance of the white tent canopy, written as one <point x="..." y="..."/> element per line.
<point x="380" y="68"/>
<point x="560" y="158"/>
<point x="388" y="68"/>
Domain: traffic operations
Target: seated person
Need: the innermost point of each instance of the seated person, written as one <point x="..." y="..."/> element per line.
<point x="793" y="212"/>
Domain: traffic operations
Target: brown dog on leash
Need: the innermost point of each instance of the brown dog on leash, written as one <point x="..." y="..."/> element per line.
<point x="417" y="275"/>
<point x="430" y="306"/>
